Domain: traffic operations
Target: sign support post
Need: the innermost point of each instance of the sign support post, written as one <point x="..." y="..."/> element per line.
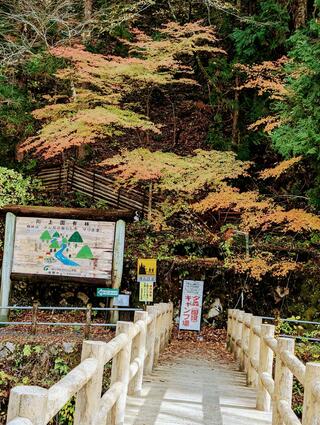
<point x="7" y="265"/>
<point x="117" y="266"/>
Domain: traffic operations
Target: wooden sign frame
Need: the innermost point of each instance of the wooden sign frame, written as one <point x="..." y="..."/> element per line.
<point x="7" y="263"/>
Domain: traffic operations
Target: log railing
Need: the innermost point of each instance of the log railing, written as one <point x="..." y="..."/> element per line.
<point x="134" y="351"/>
<point x="270" y="365"/>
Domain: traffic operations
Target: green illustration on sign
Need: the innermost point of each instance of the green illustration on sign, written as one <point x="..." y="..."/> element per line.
<point x="76" y="237"/>
<point x="64" y="247"/>
<point x="85" y="253"/>
<point x="45" y="237"/>
<point x="54" y="244"/>
<point x="107" y="292"/>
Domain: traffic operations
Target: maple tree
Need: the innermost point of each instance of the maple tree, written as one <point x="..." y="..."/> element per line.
<point x="99" y="85"/>
<point x="280" y="169"/>
<point x="261" y="265"/>
<point x="182" y="174"/>
<point x="207" y="176"/>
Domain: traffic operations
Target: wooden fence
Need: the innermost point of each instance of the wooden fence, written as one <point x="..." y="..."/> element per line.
<point x="96" y="185"/>
<point x="134" y="351"/>
<point x="100" y="187"/>
<point x="87" y="323"/>
<point x="270" y="364"/>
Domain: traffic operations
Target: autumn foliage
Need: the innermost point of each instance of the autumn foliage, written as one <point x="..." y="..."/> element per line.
<point x="189" y="174"/>
<point x="94" y="106"/>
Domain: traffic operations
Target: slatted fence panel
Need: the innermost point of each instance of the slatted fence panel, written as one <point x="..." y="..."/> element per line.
<point x="93" y="184"/>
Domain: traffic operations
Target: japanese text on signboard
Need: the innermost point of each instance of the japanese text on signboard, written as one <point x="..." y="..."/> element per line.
<point x="74" y="248"/>
<point x="147" y="270"/>
<point x="191" y="305"/>
<point x="146" y="292"/>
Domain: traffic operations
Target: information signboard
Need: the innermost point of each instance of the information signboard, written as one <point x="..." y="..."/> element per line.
<point x="63" y="247"/>
<point x="107" y="292"/>
<point x="122" y="300"/>
<point x="146" y="292"/>
<point x="147" y="270"/>
<point x="191" y="305"/>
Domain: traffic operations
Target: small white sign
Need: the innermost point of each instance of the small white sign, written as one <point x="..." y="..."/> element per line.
<point x="191" y="305"/>
<point x="122" y="300"/>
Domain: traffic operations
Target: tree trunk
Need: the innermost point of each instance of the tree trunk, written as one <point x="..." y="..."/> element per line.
<point x="300" y="16"/>
<point x="88" y="6"/>
<point x="235" y="115"/>
<point x="235" y="112"/>
<point x="150" y="202"/>
<point x="88" y="9"/>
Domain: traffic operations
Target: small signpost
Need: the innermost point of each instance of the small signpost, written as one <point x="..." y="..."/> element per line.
<point x="146" y="292"/>
<point x="122" y="300"/>
<point x="107" y="292"/>
<point x="146" y="275"/>
<point x="191" y="305"/>
<point x="147" y="270"/>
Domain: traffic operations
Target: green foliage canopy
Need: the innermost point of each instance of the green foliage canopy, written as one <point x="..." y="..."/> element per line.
<point x="15" y="188"/>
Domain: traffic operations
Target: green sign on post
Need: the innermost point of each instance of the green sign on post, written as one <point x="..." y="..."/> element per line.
<point x="107" y="292"/>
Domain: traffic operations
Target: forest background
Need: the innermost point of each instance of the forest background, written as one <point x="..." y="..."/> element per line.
<point x="213" y="107"/>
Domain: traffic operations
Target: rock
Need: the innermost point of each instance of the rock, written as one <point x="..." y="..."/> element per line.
<point x="6" y="348"/>
<point x="10" y="346"/>
<point x="215" y="309"/>
<point x="83" y="297"/>
<point x="67" y="294"/>
<point x="68" y="347"/>
<point x="53" y="350"/>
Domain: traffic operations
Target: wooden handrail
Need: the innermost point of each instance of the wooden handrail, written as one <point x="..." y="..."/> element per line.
<point x="255" y="347"/>
<point x="134" y="351"/>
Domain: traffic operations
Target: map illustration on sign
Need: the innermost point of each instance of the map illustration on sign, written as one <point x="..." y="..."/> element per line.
<point x="63" y="247"/>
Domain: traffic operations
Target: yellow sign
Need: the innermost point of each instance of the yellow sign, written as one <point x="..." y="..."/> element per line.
<point x="146" y="292"/>
<point x="147" y="270"/>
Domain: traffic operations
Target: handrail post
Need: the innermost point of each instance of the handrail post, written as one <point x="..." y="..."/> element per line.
<point x="254" y="350"/>
<point x="138" y="351"/>
<point x="120" y="373"/>
<point x="245" y="342"/>
<point x="167" y="323"/>
<point x="242" y="341"/>
<point x="158" y="334"/>
<point x="238" y="335"/>
<point x="30" y="403"/>
<point x="170" y="320"/>
<point x="163" y="327"/>
<point x="151" y="336"/>
<point x="160" y="327"/>
<point x="34" y="317"/>
<point x="311" y="405"/>
<point x="265" y="365"/>
<point x="283" y="380"/>
<point x="87" y="327"/>
<point x="229" y="329"/>
<point x="234" y="330"/>
<point x="88" y="397"/>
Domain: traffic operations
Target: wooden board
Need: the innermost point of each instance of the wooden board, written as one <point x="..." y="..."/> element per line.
<point x="68" y="213"/>
<point x="63" y="247"/>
